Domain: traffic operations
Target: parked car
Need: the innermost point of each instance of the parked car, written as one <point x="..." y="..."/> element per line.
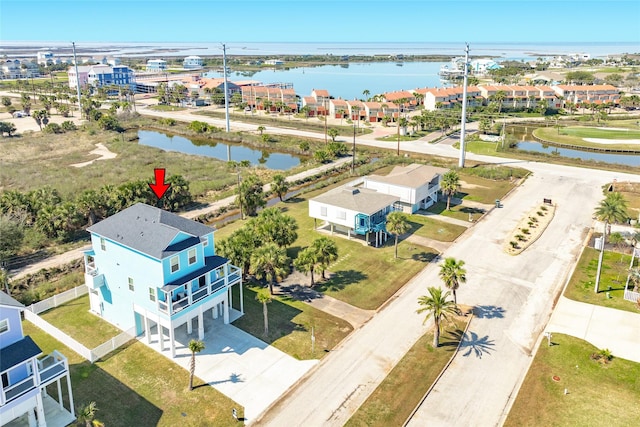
<point x="19" y="114"/>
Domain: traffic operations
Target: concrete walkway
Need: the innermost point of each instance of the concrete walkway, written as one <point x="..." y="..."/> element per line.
<point x="443" y="218"/>
<point x="603" y="327"/>
<point x="429" y="243"/>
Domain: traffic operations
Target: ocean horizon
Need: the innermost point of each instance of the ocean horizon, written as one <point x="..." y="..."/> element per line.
<point x="505" y="50"/>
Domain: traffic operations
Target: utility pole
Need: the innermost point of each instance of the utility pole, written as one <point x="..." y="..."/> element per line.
<point x="75" y="63"/>
<point x="326" y="117"/>
<point x="226" y="88"/>
<point x="464" y="106"/>
<point x="353" y="154"/>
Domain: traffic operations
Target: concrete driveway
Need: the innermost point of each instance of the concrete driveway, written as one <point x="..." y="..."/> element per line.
<point x="239" y="365"/>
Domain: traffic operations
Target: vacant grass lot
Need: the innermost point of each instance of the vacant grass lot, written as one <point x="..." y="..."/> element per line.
<point x="597" y="394"/>
<point x="460" y="212"/>
<point x="615" y="267"/>
<point x="33" y="161"/>
<point x="483" y="190"/>
<point x="136" y="386"/>
<point x="393" y="400"/>
<point x="425" y="226"/>
<point x="362" y="276"/>
<point x="75" y="320"/>
<point x="290" y="324"/>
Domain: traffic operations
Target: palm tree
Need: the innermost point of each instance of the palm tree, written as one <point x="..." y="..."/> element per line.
<point x="306" y="262"/>
<point x="611" y="210"/>
<point x="397" y="224"/>
<point x="264" y="298"/>
<point x="450" y="185"/>
<point x="326" y="252"/>
<point x="269" y="262"/>
<point x="452" y="273"/>
<point x="280" y="186"/>
<point x="261" y="129"/>
<point x="498" y="98"/>
<point x="436" y="306"/>
<point x="195" y="346"/>
<point x="366" y="94"/>
<point x="87" y="416"/>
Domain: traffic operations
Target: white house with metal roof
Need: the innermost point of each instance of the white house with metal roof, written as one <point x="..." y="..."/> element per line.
<point x="416" y="185"/>
<point x="352" y="210"/>
<point x="155" y="271"/>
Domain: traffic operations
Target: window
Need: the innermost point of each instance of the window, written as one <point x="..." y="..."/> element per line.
<point x="103" y="244"/>
<point x="192" y="256"/>
<point x="175" y="264"/>
<point x="131" y="287"/>
<point x="342" y="215"/>
<point x="152" y="294"/>
<point x="323" y="211"/>
<point x="4" y="326"/>
<point x="205" y="243"/>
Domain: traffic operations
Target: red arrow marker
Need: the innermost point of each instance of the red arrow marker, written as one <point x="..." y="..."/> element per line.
<point x="159" y="188"/>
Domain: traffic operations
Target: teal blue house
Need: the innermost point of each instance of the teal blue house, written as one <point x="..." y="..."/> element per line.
<point x="151" y="271"/>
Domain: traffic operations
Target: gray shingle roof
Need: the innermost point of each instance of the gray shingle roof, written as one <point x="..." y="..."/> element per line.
<point x="7" y="300"/>
<point x="150" y="230"/>
<point x="360" y="200"/>
<point x="412" y="176"/>
<point x="18" y="352"/>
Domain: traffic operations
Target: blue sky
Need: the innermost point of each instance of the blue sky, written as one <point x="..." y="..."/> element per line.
<point x="321" y="20"/>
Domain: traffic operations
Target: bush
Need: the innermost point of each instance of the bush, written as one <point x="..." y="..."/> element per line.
<point x="168" y="122"/>
<point x="304" y="146"/>
<point x="53" y="128"/>
<point x="514" y="244"/>
<point x="337" y="149"/>
<point x="68" y="125"/>
<point x="198" y="127"/>
<point x="604" y="356"/>
<point x="525" y="230"/>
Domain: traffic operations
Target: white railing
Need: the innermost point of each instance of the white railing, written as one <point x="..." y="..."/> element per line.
<point x="57" y="300"/>
<point x="58" y="334"/>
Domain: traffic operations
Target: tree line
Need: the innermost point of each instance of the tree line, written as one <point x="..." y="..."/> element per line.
<point x="47" y="212"/>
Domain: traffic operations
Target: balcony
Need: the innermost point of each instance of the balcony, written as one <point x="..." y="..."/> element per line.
<point x="180" y="297"/>
<point x="49" y="369"/>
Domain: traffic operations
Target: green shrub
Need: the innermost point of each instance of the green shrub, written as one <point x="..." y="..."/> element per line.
<point x="68" y="125"/>
<point x="53" y="128"/>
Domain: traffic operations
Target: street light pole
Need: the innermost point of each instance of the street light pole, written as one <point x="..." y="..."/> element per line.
<point x="464" y="107"/>
<point x="353" y="154"/>
<point x="75" y="63"/>
<point x="326" y="116"/>
<point x="226" y="88"/>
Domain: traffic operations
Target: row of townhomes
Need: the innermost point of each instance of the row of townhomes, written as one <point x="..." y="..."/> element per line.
<point x="161" y="66"/>
<point x="153" y="271"/>
<point x="26" y="376"/>
<point x="359" y="209"/>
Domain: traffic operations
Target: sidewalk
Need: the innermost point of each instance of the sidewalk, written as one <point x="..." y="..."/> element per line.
<point x="603" y="327"/>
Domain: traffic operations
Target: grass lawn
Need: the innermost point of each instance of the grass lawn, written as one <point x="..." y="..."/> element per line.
<point x="290" y="324"/>
<point x="598" y="394"/>
<point x="615" y="267"/>
<point x="362" y="276"/>
<point x="75" y="320"/>
<point x="393" y="400"/>
<point x="160" y="107"/>
<point x="574" y="135"/>
<point x="483" y="190"/>
<point x="433" y="229"/>
<point x="460" y="212"/>
<point x="136" y="386"/>
<point x="631" y="193"/>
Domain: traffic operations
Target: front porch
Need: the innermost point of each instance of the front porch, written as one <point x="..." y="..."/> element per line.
<point x="54" y="414"/>
<point x="376" y="238"/>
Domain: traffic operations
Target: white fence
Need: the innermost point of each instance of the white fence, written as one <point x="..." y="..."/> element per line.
<point x="56" y="300"/>
<point x="59" y="335"/>
<point x="31" y="314"/>
<point x="631" y="296"/>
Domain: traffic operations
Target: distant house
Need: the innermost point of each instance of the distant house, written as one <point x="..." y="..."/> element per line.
<point x="274" y="62"/>
<point x="416" y="185"/>
<point x="105" y="75"/>
<point x="354" y="211"/>
<point x="45" y="57"/>
<point x="82" y="77"/>
<point x="192" y="63"/>
<point x="155" y="271"/>
<point x="23" y="398"/>
<point x="156" y="65"/>
<point x="338" y="108"/>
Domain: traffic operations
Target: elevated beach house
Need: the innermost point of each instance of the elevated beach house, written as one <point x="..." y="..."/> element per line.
<point x="154" y="271"/>
<point x="354" y="211"/>
<point x="416" y="185"/>
<point x="24" y="399"/>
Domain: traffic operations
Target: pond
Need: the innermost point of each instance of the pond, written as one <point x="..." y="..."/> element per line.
<point x="218" y="150"/>
<point x="522" y="135"/>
